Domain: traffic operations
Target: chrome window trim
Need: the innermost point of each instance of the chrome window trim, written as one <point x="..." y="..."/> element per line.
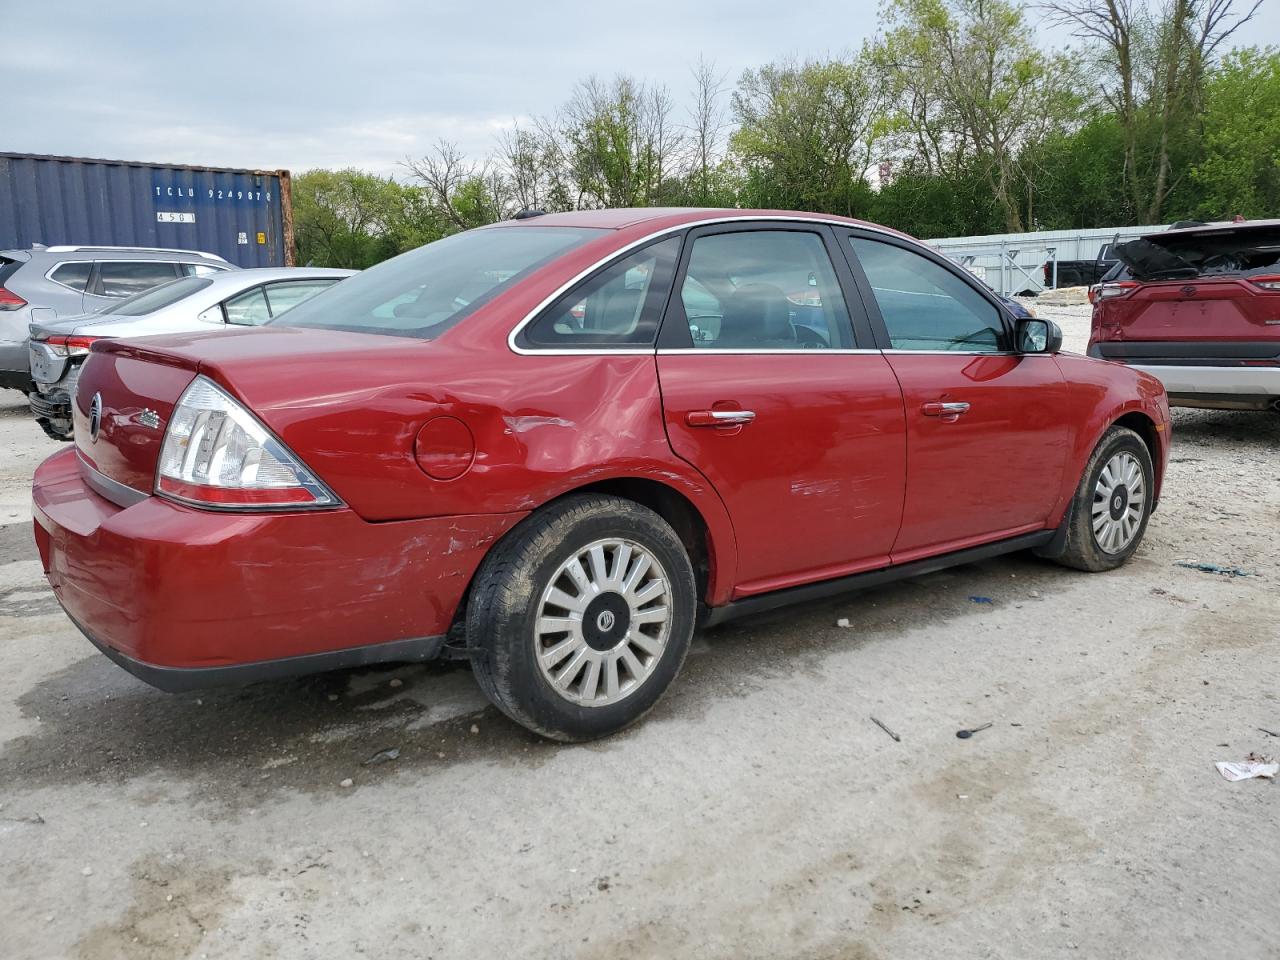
<point x="734" y="351"/>
<point x="622" y="251"/>
<point x="964" y="353"/>
<point x="62" y="263"/>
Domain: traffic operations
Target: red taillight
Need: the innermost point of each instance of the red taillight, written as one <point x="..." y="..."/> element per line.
<point x="216" y="454"/>
<point x="1109" y="291"/>
<point x="10" y="300"/>
<point x="1268" y="283"/>
<point x="234" y="497"/>
<point x="71" y="346"/>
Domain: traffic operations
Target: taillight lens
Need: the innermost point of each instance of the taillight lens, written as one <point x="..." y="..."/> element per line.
<point x="1266" y="283"/>
<point x="216" y="454"/>
<point x="70" y="346"/>
<point x="1109" y="291"/>
<point x="10" y="300"/>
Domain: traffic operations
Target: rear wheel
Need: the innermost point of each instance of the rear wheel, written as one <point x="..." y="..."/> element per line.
<point x="582" y="617"/>
<point x="1112" y="504"/>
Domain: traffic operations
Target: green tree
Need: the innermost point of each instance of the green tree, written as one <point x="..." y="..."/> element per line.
<point x="972" y="91"/>
<point x="805" y="135"/>
<point x="1239" y="172"/>
<point x="1152" y="58"/>
<point x="347" y="218"/>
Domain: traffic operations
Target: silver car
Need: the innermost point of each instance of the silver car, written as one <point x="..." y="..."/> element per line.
<point x="47" y="283"/>
<point x="192" y="304"/>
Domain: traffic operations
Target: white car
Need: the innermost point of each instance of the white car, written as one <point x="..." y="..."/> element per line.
<point x="245" y="298"/>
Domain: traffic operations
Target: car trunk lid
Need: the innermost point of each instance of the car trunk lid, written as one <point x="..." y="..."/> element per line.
<point x="125" y="396"/>
<point x="1215" y="282"/>
<point x="285" y="377"/>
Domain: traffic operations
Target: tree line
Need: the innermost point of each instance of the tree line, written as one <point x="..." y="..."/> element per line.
<point x="953" y="121"/>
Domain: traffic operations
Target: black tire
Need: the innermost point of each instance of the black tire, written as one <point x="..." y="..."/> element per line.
<point x="503" y="612"/>
<point x="1082" y="550"/>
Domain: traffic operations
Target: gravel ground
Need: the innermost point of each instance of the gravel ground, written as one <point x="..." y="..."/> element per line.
<point x="757" y="813"/>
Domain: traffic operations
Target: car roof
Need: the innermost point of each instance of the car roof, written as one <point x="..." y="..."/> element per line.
<point x="60" y="252"/>
<point x="253" y="275"/>
<point x="231" y="281"/>
<point x="1220" y="227"/>
<point x="670" y="217"/>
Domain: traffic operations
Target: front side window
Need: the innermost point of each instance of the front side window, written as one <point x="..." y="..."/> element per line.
<point x="286" y="296"/>
<point x="424" y="292"/>
<point x="123" y="278"/>
<point x="248" y="309"/>
<point x="620" y="306"/>
<point x="764" y="290"/>
<point x="925" y="306"/>
<point x="72" y="275"/>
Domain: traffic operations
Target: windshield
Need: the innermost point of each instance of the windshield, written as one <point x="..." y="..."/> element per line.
<point x="157" y="298"/>
<point x="422" y="293"/>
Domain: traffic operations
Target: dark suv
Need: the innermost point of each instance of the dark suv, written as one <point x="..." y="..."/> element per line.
<point x="50" y="283"/>
<point x="1198" y="307"/>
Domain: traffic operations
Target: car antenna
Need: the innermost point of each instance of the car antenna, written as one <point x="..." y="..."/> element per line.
<point x="528" y="214"/>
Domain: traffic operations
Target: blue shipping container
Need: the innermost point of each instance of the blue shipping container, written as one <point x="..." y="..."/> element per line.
<point x="244" y="216"/>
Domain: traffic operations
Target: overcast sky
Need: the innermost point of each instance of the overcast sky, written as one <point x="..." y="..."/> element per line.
<point x="366" y="82"/>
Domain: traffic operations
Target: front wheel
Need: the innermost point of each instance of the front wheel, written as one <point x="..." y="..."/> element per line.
<point x="582" y="617"/>
<point x="1112" y="504"/>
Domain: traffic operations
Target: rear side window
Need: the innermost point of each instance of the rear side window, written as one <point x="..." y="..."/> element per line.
<point x="74" y="276"/>
<point x="198" y="269"/>
<point x="286" y="296"/>
<point x="123" y="278"/>
<point x="249" y="309"/>
<point x="157" y="298"/>
<point x="924" y="305"/>
<point x="620" y="306"/>
<point x="424" y="292"/>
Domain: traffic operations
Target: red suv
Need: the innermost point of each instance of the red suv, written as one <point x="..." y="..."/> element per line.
<point x="554" y="445"/>
<point x="1198" y="307"/>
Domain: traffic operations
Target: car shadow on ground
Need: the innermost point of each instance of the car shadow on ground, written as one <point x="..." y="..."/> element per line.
<point x="1259" y="429"/>
<point x="97" y="724"/>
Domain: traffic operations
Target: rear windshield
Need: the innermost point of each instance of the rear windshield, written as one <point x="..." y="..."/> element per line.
<point x="8" y="268"/>
<point x="1183" y="256"/>
<point x="424" y="292"/>
<point x="157" y="298"/>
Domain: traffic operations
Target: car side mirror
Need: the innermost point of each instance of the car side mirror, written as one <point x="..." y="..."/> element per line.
<point x="1039" y="336"/>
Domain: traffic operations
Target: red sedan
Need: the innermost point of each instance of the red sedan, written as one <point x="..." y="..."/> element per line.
<point x="557" y="444"/>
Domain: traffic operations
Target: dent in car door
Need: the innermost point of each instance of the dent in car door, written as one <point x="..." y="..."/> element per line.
<point x="801" y="435"/>
<point x="986" y="434"/>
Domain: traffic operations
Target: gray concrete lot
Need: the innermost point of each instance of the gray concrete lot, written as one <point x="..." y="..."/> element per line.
<point x="756" y="813"/>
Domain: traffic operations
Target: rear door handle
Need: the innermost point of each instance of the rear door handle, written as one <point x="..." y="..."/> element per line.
<point x="949" y="412"/>
<point x="719" y="418"/>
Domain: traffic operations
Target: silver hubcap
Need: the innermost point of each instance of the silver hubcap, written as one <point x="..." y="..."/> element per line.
<point x="1118" y="502"/>
<point x="603" y="622"/>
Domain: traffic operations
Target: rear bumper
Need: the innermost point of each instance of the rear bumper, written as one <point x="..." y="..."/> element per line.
<point x="184" y="598"/>
<point x="1218" y="373"/>
<point x="1241" y="381"/>
<point x="15" y="369"/>
<point x="184" y="679"/>
<point x="51" y="406"/>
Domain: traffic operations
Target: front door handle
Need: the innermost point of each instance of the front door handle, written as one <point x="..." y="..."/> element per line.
<point x="719" y="418"/>
<point x="949" y="412"/>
